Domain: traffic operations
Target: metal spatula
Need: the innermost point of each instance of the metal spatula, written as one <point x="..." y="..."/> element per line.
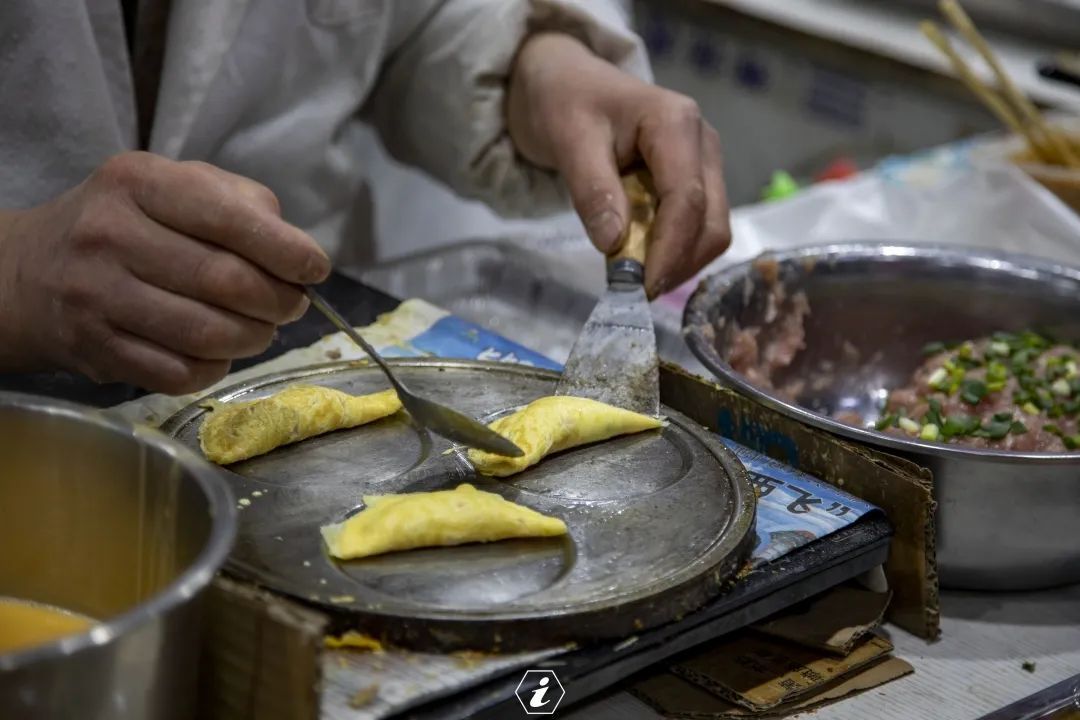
<point x="437" y="418"/>
<point x="614" y="358"/>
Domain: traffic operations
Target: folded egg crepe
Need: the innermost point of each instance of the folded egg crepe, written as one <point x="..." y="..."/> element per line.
<point x="241" y="430"/>
<point x="552" y="424"/>
<point x="390" y="523"/>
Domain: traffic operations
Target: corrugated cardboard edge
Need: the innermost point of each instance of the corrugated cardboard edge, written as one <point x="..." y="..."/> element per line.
<point x="260" y="655"/>
<point x="674" y="697"/>
<point x="833" y="621"/>
<point x="901" y="488"/>
<point x="717" y="669"/>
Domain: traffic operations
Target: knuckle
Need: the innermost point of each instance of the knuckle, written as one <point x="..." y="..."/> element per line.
<point x="79" y="291"/>
<point x="199" y="166"/>
<point x="697" y="200"/>
<point x="196" y="335"/>
<point x="124" y="170"/>
<point x="264" y="197"/>
<point x="717" y="239"/>
<point x="712" y="138"/>
<point x="235" y="285"/>
<point x="685" y="109"/>
<point x="263" y="337"/>
<point x="596" y="197"/>
<point x="94" y="230"/>
<point x="291" y="304"/>
<point x="211" y="276"/>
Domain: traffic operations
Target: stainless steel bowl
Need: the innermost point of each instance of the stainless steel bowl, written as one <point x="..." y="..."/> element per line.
<point x="1005" y="520"/>
<point x="121" y="524"/>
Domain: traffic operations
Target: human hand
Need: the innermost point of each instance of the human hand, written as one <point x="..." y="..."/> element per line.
<point x="578" y="114"/>
<point x="153" y="272"/>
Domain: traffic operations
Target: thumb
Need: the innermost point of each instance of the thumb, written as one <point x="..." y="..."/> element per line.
<point x="591" y="174"/>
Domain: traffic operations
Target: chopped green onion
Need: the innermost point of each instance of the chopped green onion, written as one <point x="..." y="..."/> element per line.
<point x="1061" y="387"/>
<point x="908" y="425"/>
<point x="968" y="363"/>
<point x="937" y="378"/>
<point x="929" y="432"/>
<point x="1071" y="441"/>
<point x="933" y="415"/>
<point x="1052" y="429"/>
<point x="1071" y="370"/>
<point x="959" y="424"/>
<point x="1020" y="360"/>
<point x="966" y="350"/>
<point x="1004" y="415"/>
<point x="885" y="421"/>
<point x="972" y="391"/>
<point x="1034" y="340"/>
<point x="933" y="348"/>
<point x="996" y="386"/>
<point x="996" y="371"/>
<point x="997" y="429"/>
<point x="1000" y="348"/>
<point x="1018" y="428"/>
<point x="1029" y="408"/>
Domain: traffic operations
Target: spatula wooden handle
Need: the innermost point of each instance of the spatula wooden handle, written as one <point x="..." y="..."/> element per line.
<point x="639" y="188"/>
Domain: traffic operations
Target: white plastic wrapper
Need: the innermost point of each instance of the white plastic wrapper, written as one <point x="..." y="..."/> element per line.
<point x="996" y="207"/>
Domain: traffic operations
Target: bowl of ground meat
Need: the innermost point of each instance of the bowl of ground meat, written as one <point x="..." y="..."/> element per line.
<point x="962" y="360"/>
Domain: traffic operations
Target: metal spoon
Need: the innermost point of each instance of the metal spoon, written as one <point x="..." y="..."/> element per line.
<point x="437" y="418"/>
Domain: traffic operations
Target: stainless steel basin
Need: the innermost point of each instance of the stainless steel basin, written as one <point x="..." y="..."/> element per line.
<point x="1005" y="520"/>
<point x="118" y="523"/>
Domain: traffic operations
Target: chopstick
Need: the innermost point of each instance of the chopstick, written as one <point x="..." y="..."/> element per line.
<point x="1022" y="117"/>
<point x="989" y="98"/>
<point x="963" y="24"/>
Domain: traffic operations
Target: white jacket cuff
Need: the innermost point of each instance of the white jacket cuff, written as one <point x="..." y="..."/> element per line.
<point x="441" y="103"/>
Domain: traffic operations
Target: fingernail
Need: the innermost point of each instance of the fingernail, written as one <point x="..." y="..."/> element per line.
<point x="659" y="287"/>
<point x="317" y="268"/>
<point x="605" y="229"/>
<point x="304" y="304"/>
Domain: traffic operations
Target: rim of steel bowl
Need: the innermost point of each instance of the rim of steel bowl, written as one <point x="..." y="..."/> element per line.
<point x="188" y="583"/>
<point x="696" y="316"/>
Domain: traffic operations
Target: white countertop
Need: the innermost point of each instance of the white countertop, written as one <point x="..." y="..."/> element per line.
<point x="975" y="668"/>
<point x="893" y="31"/>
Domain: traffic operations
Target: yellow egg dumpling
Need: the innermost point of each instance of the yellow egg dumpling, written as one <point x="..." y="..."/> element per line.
<point x="552" y="424"/>
<point x="407" y="521"/>
<point x="241" y="430"/>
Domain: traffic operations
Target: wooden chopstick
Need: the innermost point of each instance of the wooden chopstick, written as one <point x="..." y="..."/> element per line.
<point x="991" y="99"/>
<point x="962" y="22"/>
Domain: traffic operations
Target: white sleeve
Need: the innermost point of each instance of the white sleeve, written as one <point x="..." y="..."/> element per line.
<point x="440" y="101"/>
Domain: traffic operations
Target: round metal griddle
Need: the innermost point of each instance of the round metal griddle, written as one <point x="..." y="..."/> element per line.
<point x="657" y="521"/>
